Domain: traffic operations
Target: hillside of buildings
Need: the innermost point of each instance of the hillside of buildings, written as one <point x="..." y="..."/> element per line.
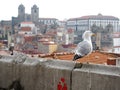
<point x="33" y="35"/>
<point x="32" y="46"/>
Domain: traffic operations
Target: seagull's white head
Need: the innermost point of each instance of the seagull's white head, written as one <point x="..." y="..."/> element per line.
<point x="87" y="35"/>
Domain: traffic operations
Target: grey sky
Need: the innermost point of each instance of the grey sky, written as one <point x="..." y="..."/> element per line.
<point x="61" y="9"/>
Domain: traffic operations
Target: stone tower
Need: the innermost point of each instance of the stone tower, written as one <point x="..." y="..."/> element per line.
<point x="21" y="13"/>
<point x="34" y="13"/>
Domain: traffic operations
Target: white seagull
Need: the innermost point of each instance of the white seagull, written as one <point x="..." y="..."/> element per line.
<point x="85" y="47"/>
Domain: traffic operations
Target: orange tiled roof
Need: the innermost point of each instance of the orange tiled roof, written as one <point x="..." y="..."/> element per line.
<point x="94" y="57"/>
<point x="28" y="38"/>
<point x="97" y="58"/>
<point x="2" y="52"/>
<point x="70" y="31"/>
<point x="25" y="28"/>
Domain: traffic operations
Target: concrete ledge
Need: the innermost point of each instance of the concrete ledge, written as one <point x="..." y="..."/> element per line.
<point x="96" y="77"/>
<point x="48" y="74"/>
<point x="102" y="69"/>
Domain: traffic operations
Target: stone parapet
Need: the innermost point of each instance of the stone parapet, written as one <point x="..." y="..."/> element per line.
<point x="24" y="73"/>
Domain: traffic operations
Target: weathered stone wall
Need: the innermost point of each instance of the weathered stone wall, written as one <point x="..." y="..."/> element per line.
<point x="96" y="77"/>
<point x="23" y="73"/>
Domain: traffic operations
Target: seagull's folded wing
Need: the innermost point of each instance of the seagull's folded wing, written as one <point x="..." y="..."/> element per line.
<point x="83" y="48"/>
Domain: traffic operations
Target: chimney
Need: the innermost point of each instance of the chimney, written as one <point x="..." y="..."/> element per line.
<point x="111" y="61"/>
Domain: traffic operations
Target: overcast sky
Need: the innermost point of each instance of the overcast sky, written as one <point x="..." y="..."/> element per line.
<point x="61" y="9"/>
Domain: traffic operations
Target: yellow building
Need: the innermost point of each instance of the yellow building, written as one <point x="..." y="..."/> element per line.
<point x="45" y="46"/>
<point x="52" y="48"/>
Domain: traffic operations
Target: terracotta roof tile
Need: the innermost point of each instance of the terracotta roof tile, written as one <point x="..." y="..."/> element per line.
<point x="95" y="57"/>
<point x="28" y="38"/>
<point x="25" y="28"/>
<point x="70" y="30"/>
<point x="95" y="17"/>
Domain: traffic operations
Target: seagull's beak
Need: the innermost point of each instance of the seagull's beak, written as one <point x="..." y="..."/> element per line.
<point x="93" y="34"/>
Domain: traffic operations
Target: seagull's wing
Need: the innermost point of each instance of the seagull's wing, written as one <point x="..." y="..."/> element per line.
<point x="83" y="48"/>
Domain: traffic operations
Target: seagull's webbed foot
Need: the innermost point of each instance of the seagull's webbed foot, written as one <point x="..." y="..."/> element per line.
<point x="76" y="57"/>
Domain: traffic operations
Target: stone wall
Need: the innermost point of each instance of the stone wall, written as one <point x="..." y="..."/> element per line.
<point x="23" y="73"/>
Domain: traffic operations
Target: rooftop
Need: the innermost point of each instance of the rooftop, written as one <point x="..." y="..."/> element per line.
<point x="95" y="57"/>
<point x="116" y="35"/>
<point x="25" y="28"/>
<point x="99" y="16"/>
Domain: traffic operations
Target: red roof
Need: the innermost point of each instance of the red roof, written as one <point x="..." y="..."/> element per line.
<point x="95" y="57"/>
<point x="29" y="38"/>
<point x="68" y="45"/>
<point x="116" y="47"/>
<point x="70" y="30"/>
<point x="51" y="33"/>
<point x="25" y="28"/>
<point x="99" y="16"/>
<point x="116" y="35"/>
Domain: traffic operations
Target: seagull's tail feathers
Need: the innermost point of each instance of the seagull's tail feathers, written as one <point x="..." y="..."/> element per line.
<point x="77" y="57"/>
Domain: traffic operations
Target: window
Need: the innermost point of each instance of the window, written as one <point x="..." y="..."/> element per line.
<point x="35" y="11"/>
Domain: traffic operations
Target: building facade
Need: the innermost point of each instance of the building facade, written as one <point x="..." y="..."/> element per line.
<point x="46" y="46"/>
<point x="28" y="27"/>
<point x="85" y="22"/>
<point x="32" y="17"/>
<point x="48" y="21"/>
<point x="88" y="22"/>
<point x="116" y="40"/>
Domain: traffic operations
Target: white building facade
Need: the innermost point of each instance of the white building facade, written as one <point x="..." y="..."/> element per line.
<point x="85" y="22"/>
<point x="48" y="21"/>
<point x="116" y="42"/>
<point x="31" y="25"/>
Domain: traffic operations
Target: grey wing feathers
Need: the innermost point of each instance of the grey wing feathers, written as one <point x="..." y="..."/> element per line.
<point x="83" y="48"/>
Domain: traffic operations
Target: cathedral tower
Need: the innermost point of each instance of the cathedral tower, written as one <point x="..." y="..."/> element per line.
<point x="35" y="13"/>
<point x="21" y="13"/>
